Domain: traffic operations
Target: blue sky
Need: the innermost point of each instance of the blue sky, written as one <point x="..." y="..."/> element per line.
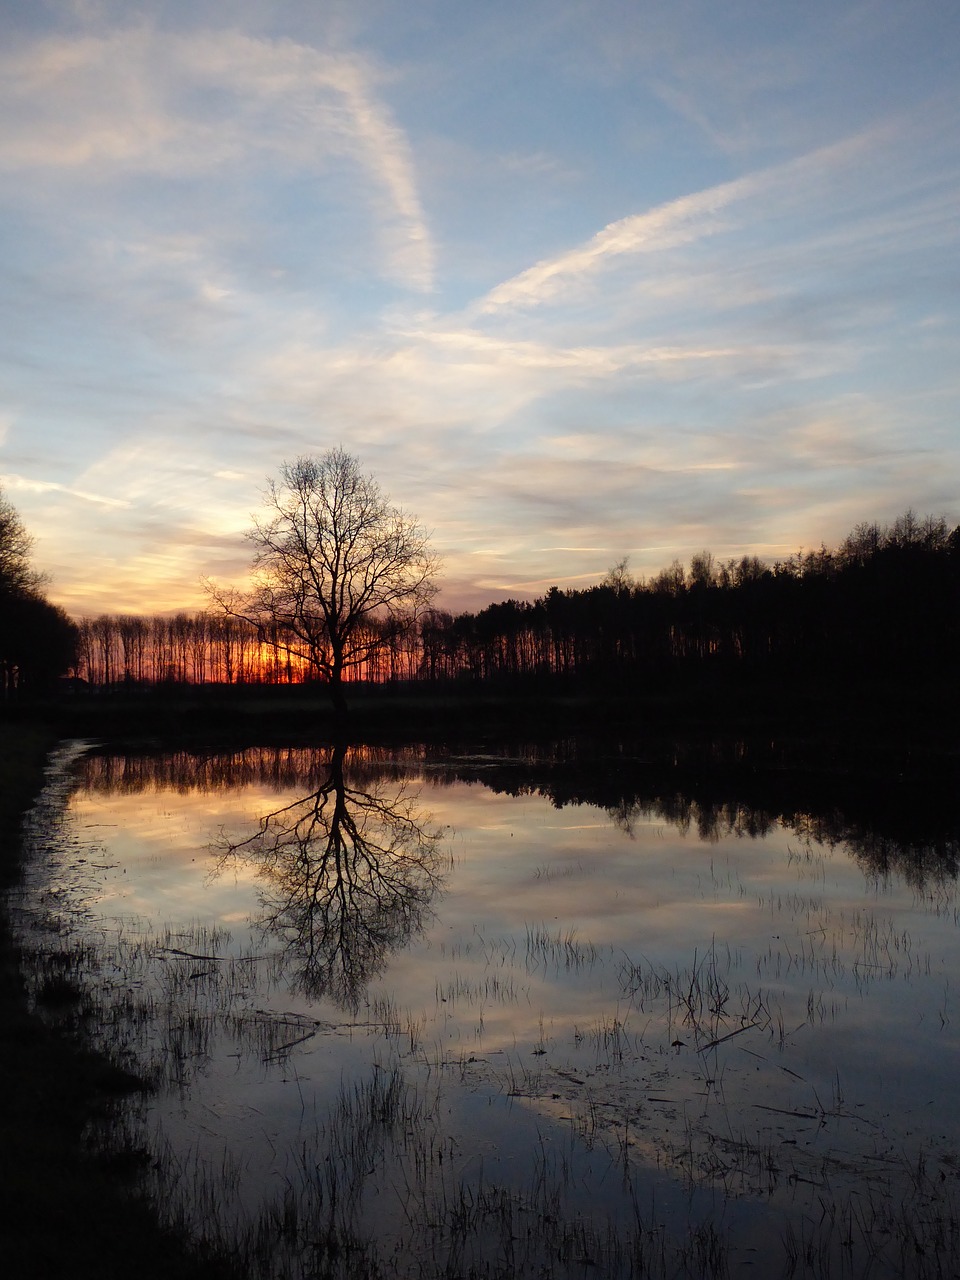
<point x="575" y="281"/>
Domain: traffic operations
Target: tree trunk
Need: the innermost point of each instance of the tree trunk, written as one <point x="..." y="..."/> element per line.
<point x="337" y="695"/>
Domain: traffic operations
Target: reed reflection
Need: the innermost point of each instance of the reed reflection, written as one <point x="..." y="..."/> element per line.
<point x="348" y="873"/>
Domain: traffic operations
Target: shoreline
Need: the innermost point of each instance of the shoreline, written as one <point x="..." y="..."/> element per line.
<point x="67" y="1211"/>
<point x="862" y="715"/>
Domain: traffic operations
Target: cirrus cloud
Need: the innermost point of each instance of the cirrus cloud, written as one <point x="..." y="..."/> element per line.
<point x="142" y="101"/>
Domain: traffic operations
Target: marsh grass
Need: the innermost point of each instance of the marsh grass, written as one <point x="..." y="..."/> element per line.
<point x="380" y="1157"/>
<point x="377" y="1186"/>
<point x="556" y="952"/>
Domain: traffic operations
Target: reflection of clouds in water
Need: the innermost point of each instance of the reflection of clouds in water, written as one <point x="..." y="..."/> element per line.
<point x="561" y="953"/>
<point x="156" y="854"/>
<point x="641" y="881"/>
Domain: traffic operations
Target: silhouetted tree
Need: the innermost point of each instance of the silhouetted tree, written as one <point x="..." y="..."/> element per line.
<point x="37" y="639"/>
<point x="16" y="573"/>
<point x="619" y="577"/>
<point x="334" y="563"/>
<point x="703" y="570"/>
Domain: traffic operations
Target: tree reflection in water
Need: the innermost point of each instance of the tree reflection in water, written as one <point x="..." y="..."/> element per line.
<point x="890" y="824"/>
<point x="351" y="870"/>
<point x="347" y="877"/>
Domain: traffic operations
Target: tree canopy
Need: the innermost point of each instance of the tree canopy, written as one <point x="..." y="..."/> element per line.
<point x="337" y="567"/>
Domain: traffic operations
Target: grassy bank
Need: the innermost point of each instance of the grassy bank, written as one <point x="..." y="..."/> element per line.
<point x="802" y="717"/>
<point x="65" y="1212"/>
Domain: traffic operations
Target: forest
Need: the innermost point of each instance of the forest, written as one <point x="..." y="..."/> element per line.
<point x="885" y="602"/>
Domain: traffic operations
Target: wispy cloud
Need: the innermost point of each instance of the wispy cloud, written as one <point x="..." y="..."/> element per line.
<point x="24" y="485"/>
<point x="142" y="101"/>
<point x="677" y="222"/>
<point x="471" y="345"/>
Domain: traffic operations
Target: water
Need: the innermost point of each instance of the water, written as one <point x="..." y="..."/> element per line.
<point x="417" y="1015"/>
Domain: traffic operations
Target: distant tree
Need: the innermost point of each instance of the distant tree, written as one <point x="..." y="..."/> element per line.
<point x="670" y="582"/>
<point x="703" y="570"/>
<point x="749" y="569"/>
<point x="334" y="562"/>
<point x="619" y="577"/>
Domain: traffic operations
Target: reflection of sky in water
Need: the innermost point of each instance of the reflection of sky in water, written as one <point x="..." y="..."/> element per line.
<point x="521" y="866"/>
<point x="159" y="861"/>
<point x="525" y="949"/>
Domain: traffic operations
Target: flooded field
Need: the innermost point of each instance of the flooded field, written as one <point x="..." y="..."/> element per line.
<point x="417" y="1016"/>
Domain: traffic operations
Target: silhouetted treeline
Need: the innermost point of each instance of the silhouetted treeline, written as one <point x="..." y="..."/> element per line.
<point x="37" y="639"/>
<point x="213" y="648"/>
<point x="885" y="602"/>
<point x="37" y="643"/>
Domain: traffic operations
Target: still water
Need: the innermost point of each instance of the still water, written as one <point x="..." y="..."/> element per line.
<point x="409" y="1015"/>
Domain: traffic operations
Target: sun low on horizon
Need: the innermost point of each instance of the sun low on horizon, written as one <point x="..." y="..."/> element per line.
<point x="573" y="283"/>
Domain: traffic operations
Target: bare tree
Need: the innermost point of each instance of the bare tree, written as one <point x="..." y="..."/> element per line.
<point x="16" y="573"/>
<point x="619" y="577"/>
<point x="703" y="570"/>
<point x="335" y="561"/>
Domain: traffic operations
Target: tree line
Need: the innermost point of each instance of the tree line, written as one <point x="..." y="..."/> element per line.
<point x="886" y="601"/>
<point x="343" y="583"/>
<point x="209" y="647"/>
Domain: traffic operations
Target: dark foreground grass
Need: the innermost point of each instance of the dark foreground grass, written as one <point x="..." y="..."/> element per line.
<point x="839" y="723"/>
<point x="64" y="1212"/>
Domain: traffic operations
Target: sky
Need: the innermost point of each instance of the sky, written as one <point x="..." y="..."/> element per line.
<point x="573" y="279"/>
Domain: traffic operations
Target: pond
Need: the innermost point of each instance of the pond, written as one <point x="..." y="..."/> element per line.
<point x="413" y="1014"/>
